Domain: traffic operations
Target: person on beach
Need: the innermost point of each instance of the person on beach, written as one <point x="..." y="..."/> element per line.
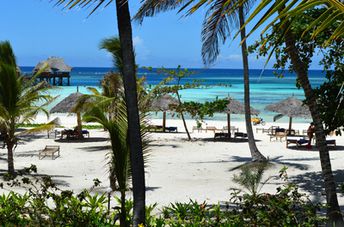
<point x="310" y="132"/>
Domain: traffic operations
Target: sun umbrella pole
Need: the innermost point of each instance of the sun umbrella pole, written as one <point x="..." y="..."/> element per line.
<point x="229" y="123"/>
<point x="290" y="122"/>
<point x="79" y="127"/>
<point x="163" y="121"/>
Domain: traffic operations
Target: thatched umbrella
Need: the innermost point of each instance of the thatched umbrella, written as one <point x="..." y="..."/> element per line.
<point x="67" y="105"/>
<point x="290" y="107"/>
<point x="53" y="64"/>
<point x="236" y="107"/>
<point x="162" y="103"/>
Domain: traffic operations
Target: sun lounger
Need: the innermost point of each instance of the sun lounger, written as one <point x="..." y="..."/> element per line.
<point x="154" y="128"/>
<point x="233" y="129"/>
<point x="211" y="128"/>
<point x="240" y="134"/>
<point x="222" y="135"/>
<point x="171" y="129"/>
<point x="279" y="134"/>
<point x="86" y="132"/>
<point x="331" y="142"/>
<point x="296" y="140"/>
<point x="194" y="128"/>
<point x="49" y="150"/>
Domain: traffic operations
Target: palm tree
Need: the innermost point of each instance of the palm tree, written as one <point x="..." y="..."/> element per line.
<point x="129" y="80"/>
<point x="221" y="16"/>
<point x="117" y="127"/>
<point x="333" y="13"/>
<point x="286" y="12"/>
<point x="19" y="100"/>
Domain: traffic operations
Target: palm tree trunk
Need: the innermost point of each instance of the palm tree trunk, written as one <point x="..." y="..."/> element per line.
<point x="183" y="118"/>
<point x="134" y="135"/>
<point x="333" y="210"/>
<point x="10" y="159"/>
<point x="123" y="221"/>
<point x="256" y="155"/>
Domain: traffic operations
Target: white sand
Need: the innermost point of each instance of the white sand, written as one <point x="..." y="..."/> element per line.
<point x="178" y="169"/>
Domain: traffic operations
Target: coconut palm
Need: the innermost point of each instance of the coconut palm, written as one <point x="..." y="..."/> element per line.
<point x="221" y="17"/>
<point x="333" y="13"/>
<point x="286" y="11"/>
<point x="20" y="101"/>
<point x="129" y="80"/>
<point x="117" y="127"/>
<point x="333" y="209"/>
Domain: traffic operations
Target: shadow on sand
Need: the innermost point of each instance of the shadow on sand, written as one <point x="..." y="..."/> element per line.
<point x="229" y="140"/>
<point x="84" y="140"/>
<point x="58" y="182"/>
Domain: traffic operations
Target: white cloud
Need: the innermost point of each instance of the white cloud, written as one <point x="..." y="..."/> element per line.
<point x="231" y="57"/>
<point x="137" y="41"/>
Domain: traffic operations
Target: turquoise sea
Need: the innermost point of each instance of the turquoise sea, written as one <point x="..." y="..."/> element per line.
<point x="265" y="87"/>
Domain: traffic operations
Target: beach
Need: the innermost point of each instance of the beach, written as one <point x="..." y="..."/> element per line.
<point x="179" y="170"/>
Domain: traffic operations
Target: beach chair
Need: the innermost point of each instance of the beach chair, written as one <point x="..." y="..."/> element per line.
<point x="85" y="132"/>
<point x="296" y="140"/>
<point x="194" y="128"/>
<point x="211" y="128"/>
<point x="154" y="128"/>
<point x="222" y="135"/>
<point x="240" y="134"/>
<point x="50" y="150"/>
<point x="279" y="134"/>
<point x="171" y="129"/>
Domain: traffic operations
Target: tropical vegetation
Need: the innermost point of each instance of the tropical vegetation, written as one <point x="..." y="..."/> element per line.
<point x="293" y="47"/>
<point x="130" y="90"/>
<point x="46" y="204"/>
<point x="222" y="17"/>
<point x="20" y="101"/>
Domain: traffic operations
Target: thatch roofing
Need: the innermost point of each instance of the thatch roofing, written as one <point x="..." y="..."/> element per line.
<point x="163" y="102"/>
<point x="290" y="107"/>
<point x="53" y="64"/>
<point x="236" y="107"/>
<point x="67" y="104"/>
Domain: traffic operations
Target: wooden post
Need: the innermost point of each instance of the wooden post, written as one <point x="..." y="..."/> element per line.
<point x="229" y="123"/>
<point x="163" y="121"/>
<point x="290" y="122"/>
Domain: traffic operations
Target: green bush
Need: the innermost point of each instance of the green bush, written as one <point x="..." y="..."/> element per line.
<point x="46" y="205"/>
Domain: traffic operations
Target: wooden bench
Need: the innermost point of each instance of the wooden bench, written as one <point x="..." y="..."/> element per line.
<point x="49" y="150"/>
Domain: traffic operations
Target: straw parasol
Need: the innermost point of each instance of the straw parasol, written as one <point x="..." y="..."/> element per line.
<point x="162" y="103"/>
<point x="291" y="107"/>
<point x="236" y="107"/>
<point x="67" y="105"/>
<point x="53" y="64"/>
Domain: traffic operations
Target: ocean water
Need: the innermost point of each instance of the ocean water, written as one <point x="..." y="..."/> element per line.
<point x="265" y="87"/>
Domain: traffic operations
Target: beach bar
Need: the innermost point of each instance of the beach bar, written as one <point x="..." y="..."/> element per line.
<point x="53" y="70"/>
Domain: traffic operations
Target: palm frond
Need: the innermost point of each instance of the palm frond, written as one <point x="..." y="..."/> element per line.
<point x="150" y="8"/>
<point x="286" y="10"/>
<point x="95" y="4"/>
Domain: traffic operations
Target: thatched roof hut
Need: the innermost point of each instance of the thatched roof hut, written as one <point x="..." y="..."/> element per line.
<point x="291" y="107"/>
<point x="67" y="104"/>
<point x="163" y="103"/>
<point x="236" y="107"/>
<point x="53" y="64"/>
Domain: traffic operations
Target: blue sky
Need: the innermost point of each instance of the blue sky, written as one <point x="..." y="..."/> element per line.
<point x="37" y="30"/>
